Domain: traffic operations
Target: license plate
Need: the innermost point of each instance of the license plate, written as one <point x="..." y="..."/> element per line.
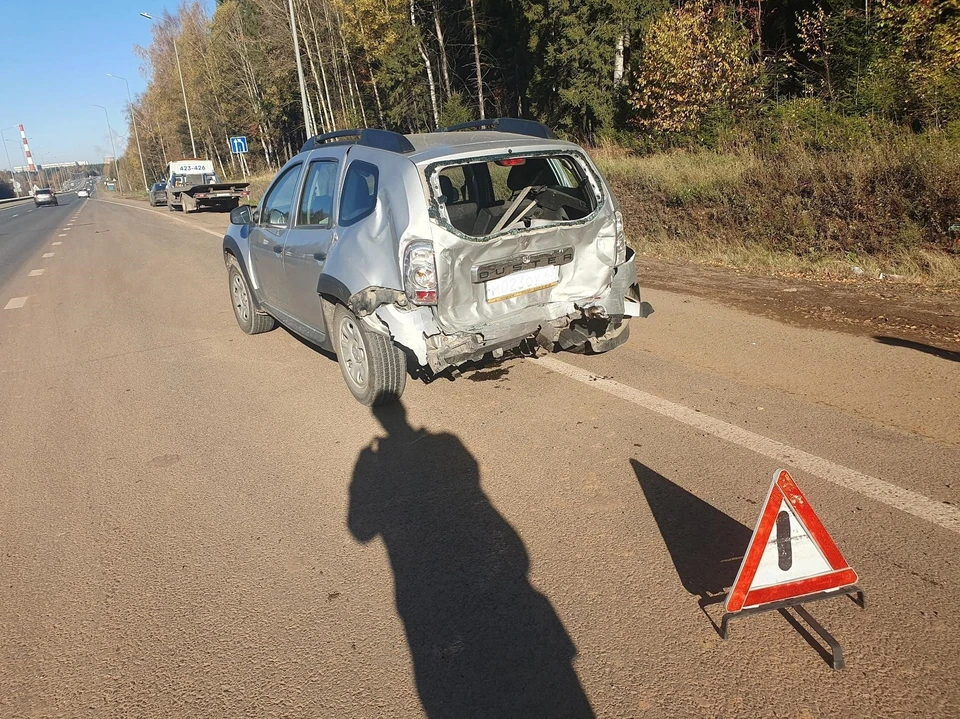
<point x="520" y="283"/>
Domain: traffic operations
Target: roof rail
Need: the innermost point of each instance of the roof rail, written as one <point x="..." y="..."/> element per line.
<point x="506" y="124"/>
<point x="368" y="137"/>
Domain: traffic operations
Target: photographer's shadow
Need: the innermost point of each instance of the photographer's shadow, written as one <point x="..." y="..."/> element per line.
<point x="484" y="642"/>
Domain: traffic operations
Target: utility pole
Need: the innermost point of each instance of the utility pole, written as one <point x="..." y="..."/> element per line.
<point x="183" y="87"/>
<point x="307" y="116"/>
<point x="116" y="160"/>
<point x="136" y="132"/>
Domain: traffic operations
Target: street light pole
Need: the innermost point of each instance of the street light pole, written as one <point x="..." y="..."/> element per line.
<point x="183" y="87"/>
<point x="136" y="132"/>
<point x="116" y="160"/>
<point x="13" y="175"/>
<point x="307" y="115"/>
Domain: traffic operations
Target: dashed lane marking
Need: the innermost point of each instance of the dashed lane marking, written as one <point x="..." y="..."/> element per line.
<point x="36" y="273"/>
<point x="62" y="234"/>
<point x="56" y="243"/>
<point x="930" y="510"/>
<point x="48" y="254"/>
<point x="16" y="303"/>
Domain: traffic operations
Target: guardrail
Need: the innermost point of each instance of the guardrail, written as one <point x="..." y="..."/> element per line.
<point x="13" y="200"/>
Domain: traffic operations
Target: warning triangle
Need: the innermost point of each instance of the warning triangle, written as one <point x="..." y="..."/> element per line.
<point x="790" y="555"/>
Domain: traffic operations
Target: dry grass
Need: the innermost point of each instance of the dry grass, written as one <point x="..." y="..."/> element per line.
<point x="792" y="212"/>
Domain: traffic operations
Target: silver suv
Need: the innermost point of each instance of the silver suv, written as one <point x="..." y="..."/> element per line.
<point x="46" y="196"/>
<point x="429" y="251"/>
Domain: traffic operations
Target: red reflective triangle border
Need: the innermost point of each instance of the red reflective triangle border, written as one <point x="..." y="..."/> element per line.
<point x="784" y="488"/>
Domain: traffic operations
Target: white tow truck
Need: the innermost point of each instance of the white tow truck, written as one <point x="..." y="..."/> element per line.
<point x="193" y="183"/>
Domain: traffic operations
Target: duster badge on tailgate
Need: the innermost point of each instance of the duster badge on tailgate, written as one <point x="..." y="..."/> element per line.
<point x="527" y="261"/>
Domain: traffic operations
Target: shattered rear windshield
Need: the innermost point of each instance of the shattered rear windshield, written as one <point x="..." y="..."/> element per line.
<point x="490" y="196"/>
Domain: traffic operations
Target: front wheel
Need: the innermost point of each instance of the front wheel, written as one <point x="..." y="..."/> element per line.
<point x="374" y="368"/>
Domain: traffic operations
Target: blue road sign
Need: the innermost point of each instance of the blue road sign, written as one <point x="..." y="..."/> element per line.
<point x="238" y="145"/>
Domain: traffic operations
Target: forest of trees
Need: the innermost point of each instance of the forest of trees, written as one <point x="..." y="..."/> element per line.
<point x="648" y="74"/>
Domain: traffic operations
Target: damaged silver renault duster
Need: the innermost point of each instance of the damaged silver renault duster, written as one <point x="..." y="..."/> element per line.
<point x="434" y="250"/>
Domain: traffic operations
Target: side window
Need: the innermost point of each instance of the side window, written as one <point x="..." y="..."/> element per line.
<point x="278" y="204"/>
<point x="316" y="204"/>
<point x="358" y="198"/>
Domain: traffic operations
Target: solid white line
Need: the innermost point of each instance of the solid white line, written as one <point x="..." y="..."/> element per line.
<point x="943" y="515"/>
<point x="167" y="215"/>
<point x="16" y="303"/>
<point x="48" y="254"/>
<point x="36" y="273"/>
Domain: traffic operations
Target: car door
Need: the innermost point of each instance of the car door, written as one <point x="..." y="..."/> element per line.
<point x="308" y="240"/>
<point x="268" y="235"/>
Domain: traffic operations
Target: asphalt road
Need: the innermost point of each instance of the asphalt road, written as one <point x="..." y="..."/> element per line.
<point x="200" y="523"/>
<point x="23" y="226"/>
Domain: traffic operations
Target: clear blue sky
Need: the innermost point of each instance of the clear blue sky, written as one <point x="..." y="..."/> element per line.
<point x="53" y="64"/>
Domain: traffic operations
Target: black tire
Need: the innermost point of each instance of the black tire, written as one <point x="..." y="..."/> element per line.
<point x="381" y="366"/>
<point x="250" y="320"/>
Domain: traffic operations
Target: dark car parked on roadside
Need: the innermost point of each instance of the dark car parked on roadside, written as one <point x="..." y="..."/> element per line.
<point x="158" y="194"/>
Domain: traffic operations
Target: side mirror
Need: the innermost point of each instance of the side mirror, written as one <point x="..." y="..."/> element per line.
<point x="241" y="215"/>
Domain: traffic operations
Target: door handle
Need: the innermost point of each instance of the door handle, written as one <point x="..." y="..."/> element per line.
<point x="319" y="256"/>
<point x="277" y="249"/>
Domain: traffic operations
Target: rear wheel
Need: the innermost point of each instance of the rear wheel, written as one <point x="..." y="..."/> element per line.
<point x="250" y="321"/>
<point x="374" y="368"/>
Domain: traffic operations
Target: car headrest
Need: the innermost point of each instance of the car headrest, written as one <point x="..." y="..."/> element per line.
<point x="535" y="171"/>
<point x="448" y="190"/>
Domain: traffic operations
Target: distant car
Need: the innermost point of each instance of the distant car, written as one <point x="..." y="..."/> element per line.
<point x="46" y="196"/>
<point x="83" y="193"/>
<point x="158" y="194"/>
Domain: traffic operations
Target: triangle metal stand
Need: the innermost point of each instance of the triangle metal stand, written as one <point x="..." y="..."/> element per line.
<point x="836" y="658"/>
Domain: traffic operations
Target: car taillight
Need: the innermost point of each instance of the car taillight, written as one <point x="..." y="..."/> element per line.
<point x="620" y="243"/>
<point x="420" y="273"/>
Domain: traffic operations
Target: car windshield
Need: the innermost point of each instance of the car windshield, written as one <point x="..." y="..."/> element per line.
<point x="486" y="197"/>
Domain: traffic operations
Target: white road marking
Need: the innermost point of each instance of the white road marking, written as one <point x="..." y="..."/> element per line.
<point x="905" y="500"/>
<point x="17" y="215"/>
<point x="16" y="303"/>
<point x="48" y="254"/>
<point x="65" y="229"/>
<point x="930" y="510"/>
<point x="156" y="213"/>
<point x="36" y="273"/>
<point x="62" y="234"/>
<point x="56" y="243"/>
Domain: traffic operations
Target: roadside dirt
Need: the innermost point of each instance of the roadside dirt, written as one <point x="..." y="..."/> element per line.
<point x="890" y="313"/>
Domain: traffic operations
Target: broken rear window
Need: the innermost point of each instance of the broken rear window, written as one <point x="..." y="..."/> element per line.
<point x="486" y="197"/>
